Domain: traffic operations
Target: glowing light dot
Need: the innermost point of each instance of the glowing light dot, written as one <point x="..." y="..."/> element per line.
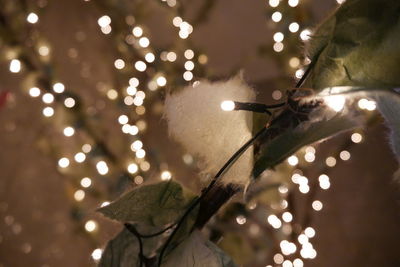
<point x="112" y="94"/>
<point x="274" y="221"/>
<point x="356" y="138"/>
<point x="278" y="37"/>
<point x="305" y="35"/>
<point x="187" y="76"/>
<point x="119" y="64"/>
<point x="340" y="1"/>
<point x="278" y="47"/>
<point x="171" y="56"/>
<point x="317" y="205"/>
<point x="335" y="102"/>
<point x="123" y="119"/>
<point x="161" y="81"/>
<point x="241" y="219"/>
<point x="32" y="18"/>
<point x="44" y="51"/>
<point x="276" y="16"/>
<point x="278" y="258"/>
<point x="345" y="155"/>
<point x="293" y="160"/>
<point x="48" y="98"/>
<point x="34" y="92"/>
<point x="58" y="88"/>
<point x="176" y="21"/>
<point x="298" y="263"/>
<point x="137" y="31"/>
<point x="299" y="73"/>
<point x="102" y="167"/>
<point x="144" y="42"/>
<point x="189" y="54"/>
<point x="330" y="161"/>
<point x="227" y="105"/>
<point x="105" y="203"/>
<point x="324" y="182"/>
<point x="203" y="59"/>
<point x="273" y="3"/>
<point x="310" y="149"/>
<point x="140" y="66"/>
<point x="287" y="263"/>
<point x="69" y="131"/>
<point x="294" y="62"/>
<point x="294" y="27"/>
<point x="189" y="65"/>
<point x="166" y="175"/>
<point x="86" y="148"/>
<point x="90" y="226"/>
<point x="276" y="94"/>
<point x="128" y="100"/>
<point x="63" y="162"/>
<point x="293" y="3"/>
<point x="48" y="111"/>
<point x="96" y="254"/>
<point x="86" y="182"/>
<point x="104" y="21"/>
<point x="79" y="195"/>
<point x="15" y="66"/>
<point x="133" y="168"/>
<point x="309" y="232"/>
<point x="80" y="157"/>
<point x="149" y="57"/>
<point x="140" y="153"/>
<point x="106" y="30"/>
<point x="69" y="102"/>
<point x="287" y="216"/>
<point x="304" y="188"/>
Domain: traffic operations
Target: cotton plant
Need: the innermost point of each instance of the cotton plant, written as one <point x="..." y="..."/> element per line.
<point x="353" y="54"/>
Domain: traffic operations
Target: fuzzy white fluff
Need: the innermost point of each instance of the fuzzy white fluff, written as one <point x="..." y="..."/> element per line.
<point x="196" y="120"/>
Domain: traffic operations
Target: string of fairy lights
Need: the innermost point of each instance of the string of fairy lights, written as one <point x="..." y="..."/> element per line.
<point x="141" y="85"/>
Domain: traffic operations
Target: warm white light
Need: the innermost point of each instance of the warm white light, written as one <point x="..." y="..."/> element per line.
<point x="187" y="76"/>
<point x="102" y="167"/>
<point x="276" y="16"/>
<point x="298" y="263"/>
<point x="86" y="148"/>
<point x="278" y="47"/>
<point x="80" y="157"/>
<point x="189" y="65"/>
<point x="189" y="54"/>
<point x="131" y="90"/>
<point x="44" y="51"/>
<point x="144" y="42"/>
<point x="293" y="160"/>
<point x="274" y="221"/>
<point x="227" y="105"/>
<point x="324" y="182"/>
<point x="123" y="119"/>
<point x="330" y="161"/>
<point x="104" y="21"/>
<point x="140" y="66"/>
<point x="58" y="88"/>
<point x="136" y="145"/>
<point x="176" y="21"/>
<point x="276" y="94"/>
<point x="133" y="168"/>
<point x="134" y="82"/>
<point x="293" y="3"/>
<point x="15" y="66"/>
<point x="317" y="205"/>
<point x="273" y="3"/>
<point x="140" y="153"/>
<point x="32" y="18"/>
<point x="96" y="254"/>
<point x="112" y="94"/>
<point x="63" y="162"/>
<point x="305" y="35"/>
<point x="69" y="131"/>
<point x="86" y="182"/>
<point x="287" y="263"/>
<point x="345" y="155"/>
<point x="335" y="102"/>
<point x="48" y="111"/>
<point x="106" y="30"/>
<point x="294" y="27"/>
<point x="309" y="232"/>
<point x="309" y="157"/>
<point x="340" y="1"/>
<point x="34" y="92"/>
<point x="119" y="64"/>
<point x="149" y="57"/>
<point x="278" y="37"/>
<point x="90" y="226"/>
<point x="48" y="98"/>
<point x="299" y="73"/>
<point x="79" y="195"/>
<point x="356" y="138"/>
<point x="171" y="56"/>
<point x="287" y="216"/>
<point x="304" y="188"/>
<point x="137" y="31"/>
<point x="69" y="102"/>
<point x="161" y="81"/>
<point x="105" y="203"/>
<point x="166" y="175"/>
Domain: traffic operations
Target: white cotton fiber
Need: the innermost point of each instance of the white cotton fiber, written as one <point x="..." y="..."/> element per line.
<point x="196" y="120"/>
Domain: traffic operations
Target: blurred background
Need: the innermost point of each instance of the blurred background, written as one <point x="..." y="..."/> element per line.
<point x="81" y="102"/>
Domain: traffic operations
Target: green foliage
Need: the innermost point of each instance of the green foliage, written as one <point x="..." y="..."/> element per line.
<point x="284" y="145"/>
<point x="152" y="205"/>
<point x="195" y="251"/>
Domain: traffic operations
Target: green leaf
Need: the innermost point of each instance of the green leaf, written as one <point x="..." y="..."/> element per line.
<point x="152" y="205"/>
<point x="122" y="251"/>
<point x="195" y="251"/>
<point x="281" y="147"/>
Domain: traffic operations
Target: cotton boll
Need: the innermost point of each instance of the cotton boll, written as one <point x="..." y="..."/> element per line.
<point x="196" y="120"/>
